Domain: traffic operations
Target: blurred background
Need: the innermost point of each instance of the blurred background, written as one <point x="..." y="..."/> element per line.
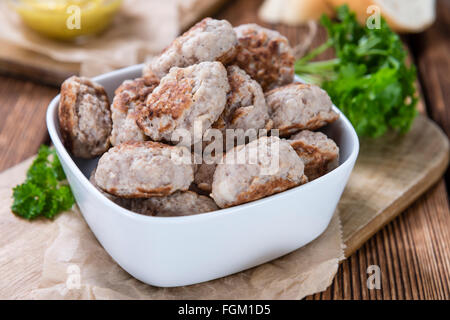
<point x="49" y="40"/>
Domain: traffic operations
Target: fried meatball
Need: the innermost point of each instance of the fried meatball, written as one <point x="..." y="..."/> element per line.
<point x="246" y="106"/>
<point x="298" y="107"/>
<point x="265" y="55"/>
<point x="204" y="175"/>
<point x="129" y="98"/>
<point x="208" y="40"/>
<point x="184" y="98"/>
<point x="84" y="117"/>
<point x="319" y="153"/>
<point x="276" y="169"/>
<point x="144" y="169"/>
<point x="181" y="203"/>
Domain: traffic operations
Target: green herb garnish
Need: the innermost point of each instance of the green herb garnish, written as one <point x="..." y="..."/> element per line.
<point x="369" y="79"/>
<point x="44" y="192"/>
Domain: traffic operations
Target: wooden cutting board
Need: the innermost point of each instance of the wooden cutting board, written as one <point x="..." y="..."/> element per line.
<point x="390" y="174"/>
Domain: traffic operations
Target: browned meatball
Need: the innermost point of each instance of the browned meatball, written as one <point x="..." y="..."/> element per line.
<point x="144" y="169"/>
<point x="246" y="106"/>
<point x="298" y="107"/>
<point x="129" y="100"/>
<point x="265" y="55"/>
<point x="319" y="153"/>
<point x="208" y="40"/>
<point x="184" y="98"/>
<point x="84" y="117"/>
<point x="181" y="203"/>
<point x="237" y="183"/>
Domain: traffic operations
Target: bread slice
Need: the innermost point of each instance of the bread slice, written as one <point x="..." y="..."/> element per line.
<point x="403" y="16"/>
<point x="293" y="12"/>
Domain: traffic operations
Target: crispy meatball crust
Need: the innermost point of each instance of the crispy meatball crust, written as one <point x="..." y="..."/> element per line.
<point x="129" y="99"/>
<point x="234" y="184"/>
<point x="208" y="40"/>
<point x="319" y="153"/>
<point x="298" y="107"/>
<point x="143" y="170"/>
<point x="246" y="106"/>
<point x="186" y="96"/>
<point x="265" y="55"/>
<point x="84" y="117"/>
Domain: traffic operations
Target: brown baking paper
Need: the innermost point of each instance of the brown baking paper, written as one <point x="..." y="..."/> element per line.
<point x="141" y="29"/>
<point x="49" y="259"/>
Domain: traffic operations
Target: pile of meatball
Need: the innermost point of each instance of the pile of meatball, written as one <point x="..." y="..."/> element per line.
<point x="223" y="78"/>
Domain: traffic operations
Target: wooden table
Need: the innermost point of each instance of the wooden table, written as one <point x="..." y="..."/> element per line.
<point x="413" y="251"/>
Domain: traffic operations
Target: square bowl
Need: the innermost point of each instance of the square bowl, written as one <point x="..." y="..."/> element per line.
<point x="177" y="251"/>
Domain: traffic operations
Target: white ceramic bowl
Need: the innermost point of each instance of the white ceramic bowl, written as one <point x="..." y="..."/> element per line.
<point x="179" y="251"/>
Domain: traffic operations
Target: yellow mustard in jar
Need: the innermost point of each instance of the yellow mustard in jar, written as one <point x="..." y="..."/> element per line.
<point x="67" y="19"/>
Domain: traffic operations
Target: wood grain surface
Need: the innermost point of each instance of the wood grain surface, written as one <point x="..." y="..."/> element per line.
<point x="412" y="251"/>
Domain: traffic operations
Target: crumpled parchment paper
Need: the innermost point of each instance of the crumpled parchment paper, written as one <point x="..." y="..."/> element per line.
<point x="62" y="259"/>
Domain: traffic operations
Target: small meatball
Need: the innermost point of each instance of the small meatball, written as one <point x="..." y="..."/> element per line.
<point x="246" y="106"/>
<point x="129" y="100"/>
<point x="186" y="98"/>
<point x="181" y="203"/>
<point x="276" y="168"/>
<point x="265" y="55"/>
<point x="298" y="107"/>
<point x="319" y="153"/>
<point x="204" y="175"/>
<point x="175" y="205"/>
<point x="144" y="170"/>
<point x="208" y="40"/>
<point x="84" y="117"/>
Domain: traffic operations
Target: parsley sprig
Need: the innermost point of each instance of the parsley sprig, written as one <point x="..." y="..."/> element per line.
<point x="369" y="79"/>
<point x="44" y="192"/>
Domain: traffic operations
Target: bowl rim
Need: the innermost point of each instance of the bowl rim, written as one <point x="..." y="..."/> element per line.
<point x="67" y="159"/>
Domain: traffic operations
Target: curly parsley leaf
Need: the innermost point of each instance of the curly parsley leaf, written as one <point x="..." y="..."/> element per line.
<point x="43" y="193"/>
<point x="369" y="79"/>
<point x="29" y="200"/>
